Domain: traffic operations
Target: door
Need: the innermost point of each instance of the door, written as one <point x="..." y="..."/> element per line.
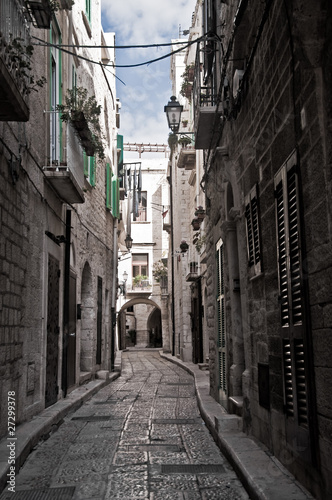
<point x="221" y="324"/>
<point x="99" y="320"/>
<point x="196" y="316"/>
<point x="71" y="352"/>
<point x="53" y="329"/>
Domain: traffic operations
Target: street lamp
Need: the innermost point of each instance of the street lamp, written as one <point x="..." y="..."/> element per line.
<point x="128" y="242"/>
<point x="173" y="112"/>
<point x="125" y="276"/>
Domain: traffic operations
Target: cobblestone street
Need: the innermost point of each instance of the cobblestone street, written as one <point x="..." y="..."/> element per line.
<point x="140" y="437"/>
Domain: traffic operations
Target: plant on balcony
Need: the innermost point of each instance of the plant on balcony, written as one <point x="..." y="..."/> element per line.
<point x="19" y="56"/>
<point x="137" y="281"/>
<point x="196" y="223"/>
<point x="172" y="140"/>
<point x="82" y="112"/>
<point x="200" y="243"/>
<point x="200" y="212"/>
<point x="184" y="246"/>
<point x="159" y="270"/>
<point x="184" y="141"/>
<point x="187" y="82"/>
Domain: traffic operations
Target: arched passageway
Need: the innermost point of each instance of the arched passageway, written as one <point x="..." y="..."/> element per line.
<point x="139" y="324"/>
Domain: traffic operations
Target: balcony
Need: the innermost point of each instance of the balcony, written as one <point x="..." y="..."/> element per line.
<point x="192" y="275"/>
<point x="143" y="286"/>
<point x="206" y="113"/>
<point x="14" y="80"/>
<point x="187" y="157"/>
<point x="68" y="178"/>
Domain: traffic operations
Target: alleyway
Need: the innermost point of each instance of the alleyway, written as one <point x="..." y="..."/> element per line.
<point x="140" y="437"/>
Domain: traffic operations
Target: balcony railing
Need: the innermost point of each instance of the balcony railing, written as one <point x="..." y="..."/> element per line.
<point x="14" y="77"/>
<point x="206" y="114"/>
<point x="143" y="286"/>
<point x="68" y="178"/>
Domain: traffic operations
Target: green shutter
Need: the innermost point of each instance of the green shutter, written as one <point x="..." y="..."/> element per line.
<point x="92" y="162"/>
<point x="109" y="176"/>
<point x="115" y="197"/>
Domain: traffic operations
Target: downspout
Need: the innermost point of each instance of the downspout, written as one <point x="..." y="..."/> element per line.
<point x="66" y="304"/>
<point x="113" y="303"/>
<point x="172" y="256"/>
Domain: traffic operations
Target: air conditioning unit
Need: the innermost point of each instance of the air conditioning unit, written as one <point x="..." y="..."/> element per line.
<point x="238" y="75"/>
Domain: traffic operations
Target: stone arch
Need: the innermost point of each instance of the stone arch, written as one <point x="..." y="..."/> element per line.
<point x="149" y="319"/>
<point x="87" y="320"/>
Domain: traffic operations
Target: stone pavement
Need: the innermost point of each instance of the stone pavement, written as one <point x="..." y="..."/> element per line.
<point x="140" y="437"/>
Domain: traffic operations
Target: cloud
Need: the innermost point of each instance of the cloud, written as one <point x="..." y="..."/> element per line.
<point x="148" y="87"/>
<point x="147" y="21"/>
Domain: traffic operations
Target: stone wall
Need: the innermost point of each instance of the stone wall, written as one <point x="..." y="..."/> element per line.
<point x="284" y="107"/>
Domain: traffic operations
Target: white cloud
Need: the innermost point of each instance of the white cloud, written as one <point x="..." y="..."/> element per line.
<point x="148" y="87"/>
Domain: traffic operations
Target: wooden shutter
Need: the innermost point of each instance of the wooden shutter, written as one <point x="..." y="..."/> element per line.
<point x="291" y="293"/>
<point x="221" y="326"/>
<point x="109" y="175"/>
<point x="115" y="197"/>
<point x="92" y="167"/>
<point x="252" y="228"/>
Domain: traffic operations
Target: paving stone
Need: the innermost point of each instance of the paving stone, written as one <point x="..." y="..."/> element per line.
<point x="120" y="443"/>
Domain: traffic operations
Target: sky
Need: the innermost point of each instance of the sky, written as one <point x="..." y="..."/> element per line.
<point x="147" y="88"/>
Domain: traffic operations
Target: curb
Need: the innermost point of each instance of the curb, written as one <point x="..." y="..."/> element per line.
<point x="262" y="475"/>
<point x="29" y="433"/>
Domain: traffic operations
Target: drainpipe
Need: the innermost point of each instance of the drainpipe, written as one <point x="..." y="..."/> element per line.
<point x="172" y="256"/>
<point x="113" y="302"/>
<point x="66" y="304"/>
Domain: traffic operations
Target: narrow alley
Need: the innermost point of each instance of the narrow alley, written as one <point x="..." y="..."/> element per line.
<point x="140" y="437"/>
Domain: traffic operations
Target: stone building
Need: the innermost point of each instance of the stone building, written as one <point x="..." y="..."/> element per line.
<point x="58" y="202"/>
<point x="142" y="305"/>
<point x="187" y="269"/>
<point x="262" y="117"/>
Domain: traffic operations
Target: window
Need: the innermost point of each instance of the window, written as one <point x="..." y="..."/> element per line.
<point x="252" y="228"/>
<point x="140" y="264"/>
<point x="55" y="90"/>
<point x="89" y="163"/>
<point x="291" y="299"/>
<point x="221" y="322"/>
<point x="142" y="206"/>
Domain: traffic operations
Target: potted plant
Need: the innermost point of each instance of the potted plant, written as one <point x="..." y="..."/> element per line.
<point x="187" y="82"/>
<point x="200" y="243"/>
<point x="184" y="141"/>
<point x="19" y="58"/>
<point x="137" y="281"/>
<point x="184" y="246"/>
<point x="172" y="140"/>
<point x="159" y="270"/>
<point x="82" y="112"/>
<point x="200" y="212"/>
<point x="196" y="224"/>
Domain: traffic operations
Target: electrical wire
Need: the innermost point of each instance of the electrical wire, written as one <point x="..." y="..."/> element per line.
<point x="147" y="46"/>
<point x="60" y="47"/>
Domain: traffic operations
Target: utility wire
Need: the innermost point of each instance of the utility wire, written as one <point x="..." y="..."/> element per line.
<point x="60" y="47"/>
<point x="152" y="45"/>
